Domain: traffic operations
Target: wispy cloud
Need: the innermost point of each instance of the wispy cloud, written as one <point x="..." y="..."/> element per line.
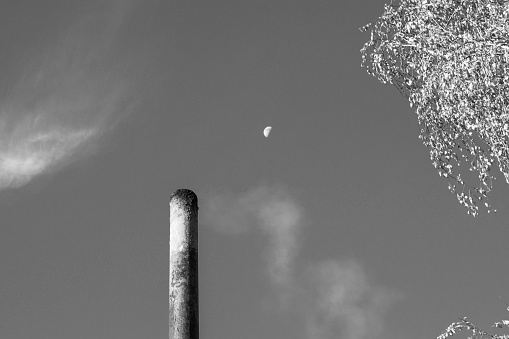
<point x="69" y="95"/>
<point x="333" y="298"/>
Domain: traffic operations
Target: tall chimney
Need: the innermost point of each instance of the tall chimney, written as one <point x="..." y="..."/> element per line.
<point x="183" y="317"/>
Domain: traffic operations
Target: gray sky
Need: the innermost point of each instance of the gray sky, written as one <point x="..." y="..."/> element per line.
<point x="336" y="226"/>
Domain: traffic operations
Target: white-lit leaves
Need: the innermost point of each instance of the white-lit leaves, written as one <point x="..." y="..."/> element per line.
<point x="451" y="61"/>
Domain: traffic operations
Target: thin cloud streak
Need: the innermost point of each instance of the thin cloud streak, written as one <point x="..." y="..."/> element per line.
<point x="25" y="158"/>
<point x="333" y="298"/>
<point x="69" y="96"/>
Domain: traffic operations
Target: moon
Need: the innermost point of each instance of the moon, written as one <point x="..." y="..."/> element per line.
<point x="266" y="131"/>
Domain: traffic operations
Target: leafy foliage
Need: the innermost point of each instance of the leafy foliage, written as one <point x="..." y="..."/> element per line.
<point x="476" y="332"/>
<point x="450" y="59"/>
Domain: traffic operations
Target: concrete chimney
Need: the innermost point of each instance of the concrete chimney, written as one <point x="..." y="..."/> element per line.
<point x="184" y="311"/>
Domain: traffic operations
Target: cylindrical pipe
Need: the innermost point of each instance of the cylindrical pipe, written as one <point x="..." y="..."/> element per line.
<point x="183" y="319"/>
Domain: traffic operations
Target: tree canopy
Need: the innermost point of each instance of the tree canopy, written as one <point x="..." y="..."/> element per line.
<point x="450" y="59"/>
<point x="477" y="333"/>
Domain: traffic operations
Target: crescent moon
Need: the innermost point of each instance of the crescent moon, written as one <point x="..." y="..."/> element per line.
<point x="266" y="131"/>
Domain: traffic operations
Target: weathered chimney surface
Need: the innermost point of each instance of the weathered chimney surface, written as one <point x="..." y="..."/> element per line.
<point x="183" y="279"/>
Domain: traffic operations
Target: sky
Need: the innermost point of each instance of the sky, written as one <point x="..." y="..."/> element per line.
<point x="336" y="226"/>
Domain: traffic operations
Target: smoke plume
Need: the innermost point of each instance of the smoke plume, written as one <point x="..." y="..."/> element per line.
<point x="332" y="298"/>
<point x="271" y="211"/>
<point x="341" y="303"/>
